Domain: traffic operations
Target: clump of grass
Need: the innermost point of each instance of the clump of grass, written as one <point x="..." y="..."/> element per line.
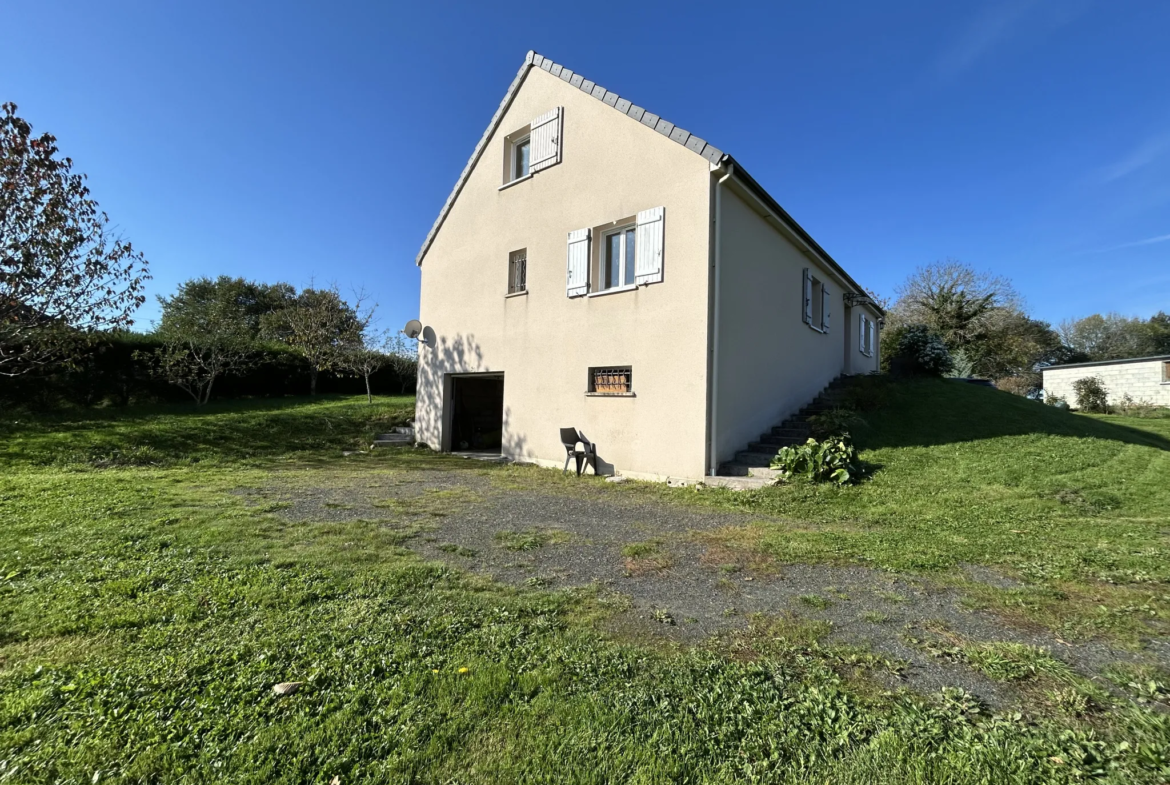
<point x="890" y="596"/>
<point x="875" y="617"/>
<point x="458" y="550"/>
<point x="530" y="539"/>
<point x="644" y="558"/>
<point x="815" y="601"/>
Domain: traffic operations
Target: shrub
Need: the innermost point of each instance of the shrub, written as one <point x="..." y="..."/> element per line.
<point x="1026" y="385"/>
<point x="1139" y="408"/>
<point x="920" y="352"/>
<point x="1092" y="396"/>
<point x="1052" y="399"/>
<point x="831" y="460"/>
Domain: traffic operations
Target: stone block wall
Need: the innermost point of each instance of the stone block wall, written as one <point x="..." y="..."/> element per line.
<point x="1143" y="381"/>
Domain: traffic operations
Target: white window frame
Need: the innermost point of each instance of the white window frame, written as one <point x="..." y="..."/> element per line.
<point x="625" y="265"/>
<point x="516" y="260"/>
<point x="514" y="149"/>
<point x="817" y="301"/>
<point x="867" y="335"/>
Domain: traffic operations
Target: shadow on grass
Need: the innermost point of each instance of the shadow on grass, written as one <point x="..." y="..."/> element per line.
<point x="232" y="430"/>
<point x="932" y="412"/>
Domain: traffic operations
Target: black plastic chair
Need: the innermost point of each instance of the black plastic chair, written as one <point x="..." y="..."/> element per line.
<point x="571" y="437"/>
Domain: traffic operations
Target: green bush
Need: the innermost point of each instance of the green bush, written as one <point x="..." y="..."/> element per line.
<point x="832" y="460"/>
<point x="918" y="351"/>
<point x="1092" y="396"/>
<point x="1058" y="401"/>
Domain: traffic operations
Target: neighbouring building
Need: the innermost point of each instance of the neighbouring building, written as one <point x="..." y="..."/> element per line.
<point x="1143" y="379"/>
<point x="598" y="267"/>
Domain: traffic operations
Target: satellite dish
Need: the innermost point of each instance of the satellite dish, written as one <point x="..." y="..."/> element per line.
<point x="413" y="328"/>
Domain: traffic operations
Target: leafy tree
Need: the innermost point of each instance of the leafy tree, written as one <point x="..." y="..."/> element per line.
<point x="247" y="301"/>
<point x="1108" y="337"/>
<point x="955" y="301"/>
<point x="63" y="275"/>
<point x="320" y="326"/>
<point x="208" y="329"/>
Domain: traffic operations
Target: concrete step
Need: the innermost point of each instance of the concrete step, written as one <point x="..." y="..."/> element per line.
<point x="753" y="458"/>
<point x="395" y="439"/>
<point x="790" y="431"/>
<point x="738" y="483"/>
<point x="737" y="469"/>
<point x="773" y="445"/>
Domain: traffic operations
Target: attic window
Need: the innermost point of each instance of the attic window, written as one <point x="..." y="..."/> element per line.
<point x="520" y="157"/>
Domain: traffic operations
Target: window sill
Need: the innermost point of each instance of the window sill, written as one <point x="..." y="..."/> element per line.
<point x="818" y="330"/>
<point x="615" y="290"/>
<point x="517" y="181"/>
<point x="610" y="395"/>
<point x="522" y="293"/>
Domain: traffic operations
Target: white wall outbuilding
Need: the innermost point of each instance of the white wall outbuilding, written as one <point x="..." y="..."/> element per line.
<point x="1145" y="379"/>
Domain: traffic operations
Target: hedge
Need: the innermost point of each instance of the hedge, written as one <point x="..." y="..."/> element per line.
<point x="109" y="374"/>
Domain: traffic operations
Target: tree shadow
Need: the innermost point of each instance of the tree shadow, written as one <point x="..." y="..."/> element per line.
<point x="440" y="358"/>
<point x="933" y="412"/>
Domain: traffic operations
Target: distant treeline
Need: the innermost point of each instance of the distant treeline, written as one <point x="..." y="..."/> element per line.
<point x="116" y="372"/>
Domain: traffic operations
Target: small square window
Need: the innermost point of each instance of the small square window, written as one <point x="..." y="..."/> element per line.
<point x="518" y="271"/>
<point x="520" y="157"/>
<point x="1166" y="372"/>
<point x="611" y="381"/>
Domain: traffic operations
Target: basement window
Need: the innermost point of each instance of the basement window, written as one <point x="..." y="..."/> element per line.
<point x="611" y="381"/>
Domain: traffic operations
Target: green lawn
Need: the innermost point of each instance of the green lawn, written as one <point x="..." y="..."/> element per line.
<point x="1076" y="506"/>
<point x="147" y="608"/>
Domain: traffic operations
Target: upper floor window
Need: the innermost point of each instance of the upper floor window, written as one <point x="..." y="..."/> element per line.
<point x="521" y="150"/>
<point x="628" y="253"/>
<point x="619" y="247"/>
<point x="532" y="148"/>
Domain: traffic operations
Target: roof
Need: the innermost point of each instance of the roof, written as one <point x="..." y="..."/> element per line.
<point x="645" y="117"/>
<point x="1156" y="358"/>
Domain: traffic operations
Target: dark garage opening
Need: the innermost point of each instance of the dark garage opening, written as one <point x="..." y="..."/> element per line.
<point x="477" y="422"/>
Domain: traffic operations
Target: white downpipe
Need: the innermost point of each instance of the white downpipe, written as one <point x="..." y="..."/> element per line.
<point x="713" y="458"/>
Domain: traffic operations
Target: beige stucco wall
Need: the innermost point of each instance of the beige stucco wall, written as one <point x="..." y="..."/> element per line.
<point x="543" y="342"/>
<point x="770" y="363"/>
<point x="1141" y="380"/>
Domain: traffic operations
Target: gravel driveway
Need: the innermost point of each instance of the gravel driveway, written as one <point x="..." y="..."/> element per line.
<point x="678" y="584"/>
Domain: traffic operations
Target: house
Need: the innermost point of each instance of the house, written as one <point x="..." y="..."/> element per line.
<point x="1142" y="379"/>
<point x="599" y="267"/>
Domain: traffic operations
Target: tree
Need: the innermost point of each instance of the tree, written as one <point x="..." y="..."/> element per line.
<point x="1112" y="336"/>
<point x="403" y="354"/>
<point x="955" y="301"/>
<point x="63" y="276"/>
<point x="362" y="361"/>
<point x="320" y="326"/>
<point x="248" y="302"/>
<point x="207" y="330"/>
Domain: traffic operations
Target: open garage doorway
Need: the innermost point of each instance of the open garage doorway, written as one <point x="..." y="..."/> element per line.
<point x="477" y="413"/>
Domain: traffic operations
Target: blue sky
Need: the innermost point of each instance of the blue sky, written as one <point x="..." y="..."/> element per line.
<point x="317" y="141"/>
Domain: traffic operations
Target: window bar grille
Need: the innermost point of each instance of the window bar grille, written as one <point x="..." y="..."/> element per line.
<point x="612" y="380"/>
<point x="519" y="277"/>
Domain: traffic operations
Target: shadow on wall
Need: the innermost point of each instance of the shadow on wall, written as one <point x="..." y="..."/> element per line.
<point x="439" y="357"/>
<point x="930" y="412"/>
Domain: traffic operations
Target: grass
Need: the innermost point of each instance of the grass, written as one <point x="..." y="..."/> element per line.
<point x="148" y="605"/>
<point x="1071" y="506"/>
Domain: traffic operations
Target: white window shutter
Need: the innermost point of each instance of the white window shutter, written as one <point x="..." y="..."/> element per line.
<point x="648" y="246"/>
<point x="807" y="297"/>
<point x="577" y="282"/>
<point x="826" y="301"/>
<point x="545" y="140"/>
<point x="861" y="347"/>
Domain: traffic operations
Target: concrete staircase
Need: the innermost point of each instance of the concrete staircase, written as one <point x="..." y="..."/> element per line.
<point x="753" y="462"/>
<point x="400" y="436"/>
